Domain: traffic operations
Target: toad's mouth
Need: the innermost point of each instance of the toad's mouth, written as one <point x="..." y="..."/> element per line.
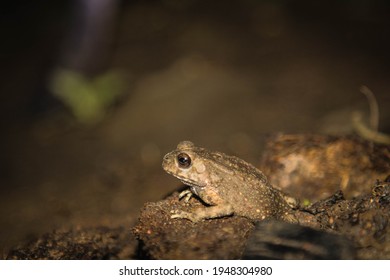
<point x="187" y="181"/>
<point x="194" y="185"/>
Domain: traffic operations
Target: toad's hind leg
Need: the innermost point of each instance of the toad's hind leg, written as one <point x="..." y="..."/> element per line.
<point x="210" y="212"/>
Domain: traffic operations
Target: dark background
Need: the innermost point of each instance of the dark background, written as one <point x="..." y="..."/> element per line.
<point x="224" y="74"/>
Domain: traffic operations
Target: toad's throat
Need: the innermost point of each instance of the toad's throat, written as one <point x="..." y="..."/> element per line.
<point x="194" y="187"/>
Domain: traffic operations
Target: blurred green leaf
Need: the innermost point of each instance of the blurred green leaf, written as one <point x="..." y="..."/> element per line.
<point x="88" y="99"/>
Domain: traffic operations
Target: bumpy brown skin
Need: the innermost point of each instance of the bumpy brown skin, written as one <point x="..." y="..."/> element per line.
<point x="226" y="183"/>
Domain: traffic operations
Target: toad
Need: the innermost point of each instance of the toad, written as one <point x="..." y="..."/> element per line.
<point x="227" y="184"/>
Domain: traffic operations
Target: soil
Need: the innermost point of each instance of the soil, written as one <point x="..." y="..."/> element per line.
<point x="330" y="228"/>
<point x="226" y="76"/>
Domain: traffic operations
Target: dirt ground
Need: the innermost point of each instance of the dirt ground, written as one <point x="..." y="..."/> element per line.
<point x="225" y="75"/>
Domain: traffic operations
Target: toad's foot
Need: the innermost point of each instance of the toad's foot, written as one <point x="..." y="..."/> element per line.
<point x="204" y="213"/>
<point x="187" y="194"/>
<point x="184" y="215"/>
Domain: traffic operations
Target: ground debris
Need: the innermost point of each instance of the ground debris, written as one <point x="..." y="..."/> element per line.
<point x="93" y="243"/>
<point x="166" y="238"/>
<point x="333" y="228"/>
<point x="313" y="167"/>
<point x="279" y="240"/>
<point x="336" y="226"/>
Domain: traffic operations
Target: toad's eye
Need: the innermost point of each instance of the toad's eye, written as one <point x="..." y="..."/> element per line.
<point x="184" y="160"/>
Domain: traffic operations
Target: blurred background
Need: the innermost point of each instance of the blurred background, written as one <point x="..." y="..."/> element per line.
<point x="95" y="92"/>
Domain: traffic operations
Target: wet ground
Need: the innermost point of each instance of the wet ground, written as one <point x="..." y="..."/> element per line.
<point x="225" y="75"/>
